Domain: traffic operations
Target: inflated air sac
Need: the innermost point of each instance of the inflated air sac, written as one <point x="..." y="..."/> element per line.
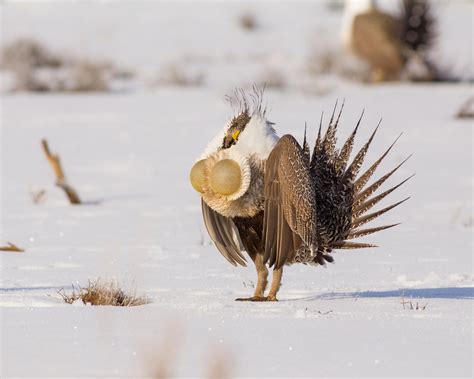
<point x="197" y="175"/>
<point x="226" y="177"/>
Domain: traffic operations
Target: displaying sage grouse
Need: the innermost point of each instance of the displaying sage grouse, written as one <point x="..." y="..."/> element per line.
<point x="388" y="42"/>
<point x="268" y="197"/>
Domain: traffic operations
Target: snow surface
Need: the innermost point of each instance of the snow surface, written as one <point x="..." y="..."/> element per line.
<point x="129" y="154"/>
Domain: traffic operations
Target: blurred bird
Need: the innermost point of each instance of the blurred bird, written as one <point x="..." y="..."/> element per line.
<point x="268" y="196"/>
<point x="386" y="42"/>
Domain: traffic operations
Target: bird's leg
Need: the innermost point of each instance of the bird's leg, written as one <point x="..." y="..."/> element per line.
<point x="276" y="282"/>
<point x="262" y="273"/>
<point x="378" y="75"/>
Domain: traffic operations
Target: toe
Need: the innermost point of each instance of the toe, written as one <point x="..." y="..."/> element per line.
<point x="253" y="298"/>
<point x="271" y="298"/>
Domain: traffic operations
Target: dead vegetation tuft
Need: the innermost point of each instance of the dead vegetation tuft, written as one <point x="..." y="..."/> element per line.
<point x="38" y="196"/>
<point x="327" y="61"/>
<point x="273" y="78"/>
<point x="335" y="5"/>
<point x="219" y="366"/>
<point x="468" y="222"/>
<point x="35" y="68"/>
<point x="408" y="304"/>
<point x="87" y="76"/>
<point x="467" y="109"/>
<point x="29" y="53"/>
<point x="174" y="74"/>
<point x="249" y="284"/>
<point x="459" y="219"/>
<point x="12" y="248"/>
<point x="161" y="359"/>
<point x="103" y="292"/>
<point x="248" y="21"/>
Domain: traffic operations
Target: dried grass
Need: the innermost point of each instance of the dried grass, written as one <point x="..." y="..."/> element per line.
<point x="248" y="21"/>
<point x="12" y="248"/>
<point x="88" y="76"/>
<point x="175" y="74"/>
<point x="335" y="5"/>
<point x="330" y="61"/>
<point x="467" y="109"/>
<point x="408" y="304"/>
<point x="161" y="359"/>
<point x="273" y="78"/>
<point x="38" y="196"/>
<point x="37" y="69"/>
<point x="27" y="52"/>
<point x="103" y="292"/>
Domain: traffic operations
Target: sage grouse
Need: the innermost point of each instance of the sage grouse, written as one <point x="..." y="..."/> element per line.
<point x="388" y="42"/>
<point x="269" y="197"/>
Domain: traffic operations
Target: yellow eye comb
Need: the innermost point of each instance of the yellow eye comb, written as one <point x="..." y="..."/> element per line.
<point x="235" y="135"/>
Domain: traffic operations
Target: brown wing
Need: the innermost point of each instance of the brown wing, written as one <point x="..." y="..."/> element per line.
<point x="224" y="234"/>
<point x="376" y="38"/>
<point x="290" y="205"/>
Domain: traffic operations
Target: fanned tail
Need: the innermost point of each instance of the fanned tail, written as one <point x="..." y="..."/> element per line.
<point x="418" y="24"/>
<point x="306" y="146"/>
<point x="343" y="197"/>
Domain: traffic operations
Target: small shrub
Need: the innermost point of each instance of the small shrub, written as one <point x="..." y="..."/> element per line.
<point x="330" y="61"/>
<point x="248" y="21"/>
<point x="335" y="5"/>
<point x="103" y="292"/>
<point x="467" y="109"/>
<point x="36" y="69"/>
<point x="28" y="53"/>
<point x="88" y="76"/>
<point x="273" y="78"/>
<point x="175" y="74"/>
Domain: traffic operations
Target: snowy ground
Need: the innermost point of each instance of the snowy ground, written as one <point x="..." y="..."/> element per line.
<point x="129" y="155"/>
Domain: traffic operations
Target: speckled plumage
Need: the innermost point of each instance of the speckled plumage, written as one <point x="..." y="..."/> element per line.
<point x="299" y="206"/>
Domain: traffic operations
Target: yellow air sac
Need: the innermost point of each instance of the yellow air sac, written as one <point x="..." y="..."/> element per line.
<point x="226" y="177"/>
<point x="197" y="177"/>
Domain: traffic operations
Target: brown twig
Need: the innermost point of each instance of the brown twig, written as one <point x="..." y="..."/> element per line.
<point x="37" y="196"/>
<point x="324" y="313"/>
<point x="61" y="182"/>
<point x="467" y="109"/>
<point x="11" y="247"/>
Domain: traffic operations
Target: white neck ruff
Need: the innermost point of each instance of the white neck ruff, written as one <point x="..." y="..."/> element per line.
<point x="258" y="139"/>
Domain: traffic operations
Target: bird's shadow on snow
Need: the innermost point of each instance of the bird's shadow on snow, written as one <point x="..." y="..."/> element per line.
<point x="34" y="288"/>
<point x="417" y="293"/>
<point x="120" y="197"/>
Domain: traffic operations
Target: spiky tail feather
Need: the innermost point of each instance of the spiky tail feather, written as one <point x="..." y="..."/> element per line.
<point x="343" y="197"/>
<point x="418" y="25"/>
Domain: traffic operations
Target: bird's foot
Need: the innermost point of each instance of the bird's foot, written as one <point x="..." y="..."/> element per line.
<point x="253" y="298"/>
<point x="271" y="298"/>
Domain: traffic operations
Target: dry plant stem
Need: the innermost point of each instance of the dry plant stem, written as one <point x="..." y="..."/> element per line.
<point x="61" y="182"/>
<point x="466" y="110"/>
<point x="412" y="307"/>
<point x="11" y="247"/>
<point x="37" y="196"/>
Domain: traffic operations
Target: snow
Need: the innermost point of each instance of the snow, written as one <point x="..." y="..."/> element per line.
<point x="129" y="154"/>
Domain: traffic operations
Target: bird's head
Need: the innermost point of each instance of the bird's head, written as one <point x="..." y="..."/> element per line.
<point x="236" y="127"/>
<point x="224" y="168"/>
